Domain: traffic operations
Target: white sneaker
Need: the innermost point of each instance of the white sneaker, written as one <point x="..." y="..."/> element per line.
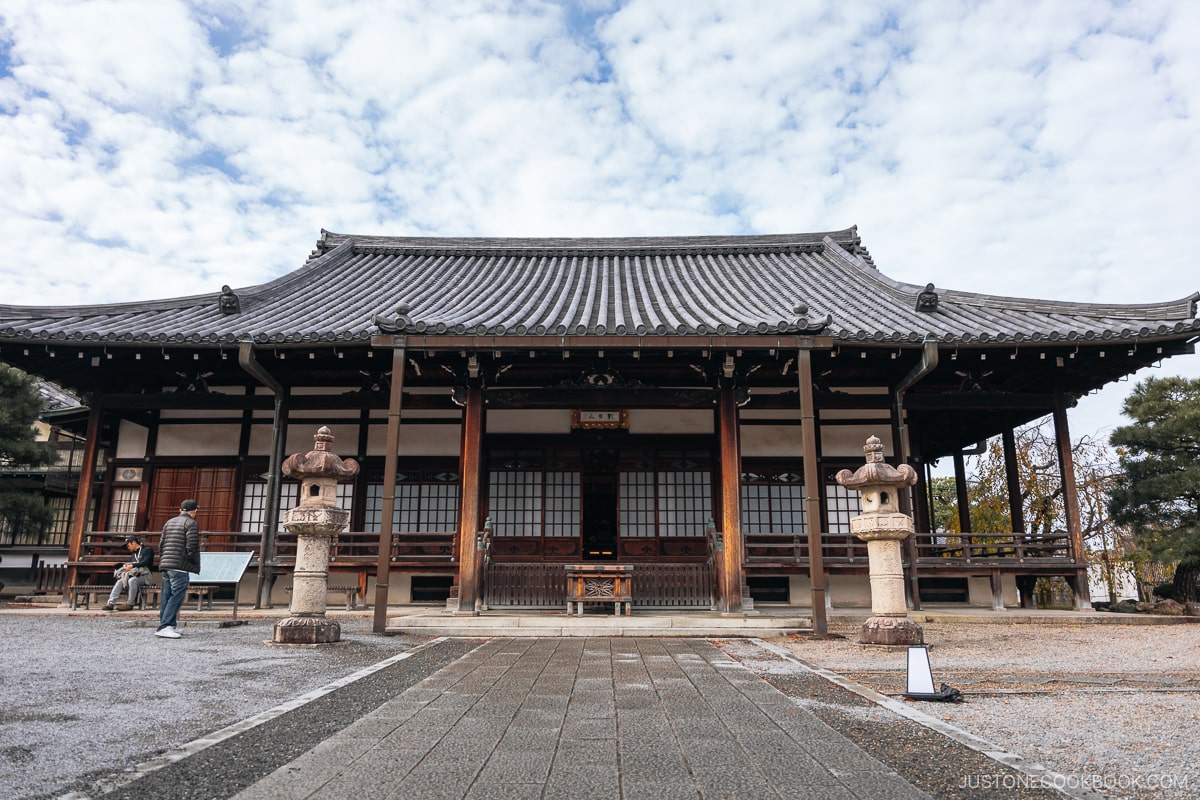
<point x="168" y="633"/>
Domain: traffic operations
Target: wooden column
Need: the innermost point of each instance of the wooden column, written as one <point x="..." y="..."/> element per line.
<point x="812" y="490"/>
<point x="960" y="492"/>
<point x="1066" y="460"/>
<point x="384" y="563"/>
<point x="905" y="498"/>
<point x="268" y="544"/>
<point x="1016" y="508"/>
<point x="471" y="461"/>
<point x="83" y="495"/>
<point x="732" y="556"/>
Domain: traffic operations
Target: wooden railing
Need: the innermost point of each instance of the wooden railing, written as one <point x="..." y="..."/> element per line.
<point x="932" y="549"/>
<point x="774" y="548"/>
<point x="350" y="551"/>
<point x="544" y="585"/>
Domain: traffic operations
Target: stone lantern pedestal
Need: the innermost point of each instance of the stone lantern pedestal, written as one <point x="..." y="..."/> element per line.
<point x="314" y="523"/>
<point x="882" y="526"/>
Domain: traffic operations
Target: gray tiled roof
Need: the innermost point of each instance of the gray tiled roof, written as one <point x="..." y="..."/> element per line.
<point x="352" y="286"/>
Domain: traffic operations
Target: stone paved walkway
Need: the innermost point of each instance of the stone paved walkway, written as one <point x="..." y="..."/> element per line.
<point x="587" y="718"/>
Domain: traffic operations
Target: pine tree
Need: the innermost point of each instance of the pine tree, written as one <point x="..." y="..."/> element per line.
<point x="21" y="513"/>
<point x="1158" y="495"/>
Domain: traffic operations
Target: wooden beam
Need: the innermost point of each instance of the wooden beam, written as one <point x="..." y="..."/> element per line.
<point x="732" y="555"/>
<point x="627" y="341"/>
<point x="975" y="401"/>
<point x="83" y="494"/>
<point x="559" y="397"/>
<point x="1012" y="477"/>
<point x="471" y="460"/>
<point x="264" y="402"/>
<point x="1066" y="460"/>
<point x="384" y="563"/>
<point x="812" y="490"/>
<point x="960" y="492"/>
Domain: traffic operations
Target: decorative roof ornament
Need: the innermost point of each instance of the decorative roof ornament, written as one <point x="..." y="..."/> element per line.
<point x="395" y="324"/>
<point x="927" y="300"/>
<point x="228" y="302"/>
<point x="804" y="324"/>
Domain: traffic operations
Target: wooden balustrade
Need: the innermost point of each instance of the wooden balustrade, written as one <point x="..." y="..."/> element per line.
<point x="932" y="549"/>
<point x="350" y="551"/>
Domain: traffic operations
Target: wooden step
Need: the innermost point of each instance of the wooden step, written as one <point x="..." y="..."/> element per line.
<point x="709" y="625"/>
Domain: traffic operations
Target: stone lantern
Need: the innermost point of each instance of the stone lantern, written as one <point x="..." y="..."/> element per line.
<point x="314" y="522"/>
<point x="882" y="526"/>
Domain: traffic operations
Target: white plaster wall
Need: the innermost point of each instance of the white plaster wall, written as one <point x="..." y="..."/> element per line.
<point x="545" y="420"/>
<point x="799" y="590"/>
<point x="849" y="591"/>
<point x="131" y="440"/>
<point x="399" y="588"/>
<point x="979" y="591"/>
<point x="656" y="420"/>
<point x="198" y="440"/>
<point x="771" y="440"/>
<point x="302" y="428"/>
<point x="848" y="440"/>
<point x="417" y="440"/>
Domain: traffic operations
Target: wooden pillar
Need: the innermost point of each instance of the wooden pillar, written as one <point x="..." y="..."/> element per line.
<point x="905" y="497"/>
<point x="1016" y="508"/>
<point x="960" y="491"/>
<point x="83" y="496"/>
<point x="471" y="461"/>
<point x="384" y="563"/>
<point x="812" y="490"/>
<point x="268" y="544"/>
<point x="732" y="556"/>
<point x="1066" y="460"/>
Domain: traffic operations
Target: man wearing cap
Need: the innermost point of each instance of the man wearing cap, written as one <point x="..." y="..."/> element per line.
<point x="132" y="575"/>
<point x="179" y="554"/>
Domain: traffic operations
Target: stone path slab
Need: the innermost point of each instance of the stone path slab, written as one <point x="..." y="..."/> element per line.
<point x="587" y="718"/>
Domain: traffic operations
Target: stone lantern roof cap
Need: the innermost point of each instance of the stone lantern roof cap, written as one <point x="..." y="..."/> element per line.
<point x="321" y="461"/>
<point x="876" y="472"/>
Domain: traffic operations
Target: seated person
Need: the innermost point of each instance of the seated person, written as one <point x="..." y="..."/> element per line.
<point x="131" y="575"/>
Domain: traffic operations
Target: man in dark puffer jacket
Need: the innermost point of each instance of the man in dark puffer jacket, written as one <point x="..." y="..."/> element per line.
<point x="178" y="554"/>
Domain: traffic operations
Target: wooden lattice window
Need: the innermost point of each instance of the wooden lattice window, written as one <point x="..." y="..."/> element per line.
<point x="773" y="502"/>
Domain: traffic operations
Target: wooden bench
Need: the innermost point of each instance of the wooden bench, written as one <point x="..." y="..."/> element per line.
<point x="82" y="594"/>
<point x="351" y="592"/>
<point x="204" y="595"/>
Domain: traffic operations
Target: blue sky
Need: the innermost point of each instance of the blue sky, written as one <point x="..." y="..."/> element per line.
<point x="153" y="148"/>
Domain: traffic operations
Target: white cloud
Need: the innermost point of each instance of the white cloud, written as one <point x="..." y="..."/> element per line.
<point x="152" y="148"/>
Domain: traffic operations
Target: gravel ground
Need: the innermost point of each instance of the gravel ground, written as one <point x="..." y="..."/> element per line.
<point x="1112" y="708"/>
<point x="87" y="696"/>
<point x="83" y="697"/>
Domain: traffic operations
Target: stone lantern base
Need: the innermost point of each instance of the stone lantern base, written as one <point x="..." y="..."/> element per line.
<point x="307" y="630"/>
<point x="891" y="631"/>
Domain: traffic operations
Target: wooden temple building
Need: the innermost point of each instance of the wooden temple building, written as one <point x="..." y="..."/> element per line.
<point x="678" y="405"/>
